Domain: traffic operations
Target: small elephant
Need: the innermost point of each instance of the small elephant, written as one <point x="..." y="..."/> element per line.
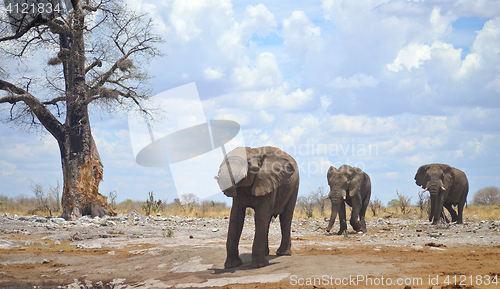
<point x="448" y="187"/>
<point x="267" y="180"/>
<point x="352" y="186"/>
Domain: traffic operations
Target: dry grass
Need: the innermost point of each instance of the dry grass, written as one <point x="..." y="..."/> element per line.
<point x="23" y="205"/>
<point x="475" y="213"/>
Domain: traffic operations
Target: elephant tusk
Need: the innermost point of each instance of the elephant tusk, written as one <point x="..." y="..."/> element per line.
<point x="443" y="188"/>
<point x="344" y="197"/>
<point x="425" y="190"/>
<point x="216" y="177"/>
<point x="327" y="197"/>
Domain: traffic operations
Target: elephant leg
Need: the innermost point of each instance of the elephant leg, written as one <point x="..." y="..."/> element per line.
<point x="233" y="235"/>
<point x="355" y="214"/>
<point x="362" y="213"/>
<point x="342" y="219"/>
<point x="286" y="223"/>
<point x="452" y="212"/>
<point x="267" y="241"/>
<point x="260" y="242"/>
<point x="444" y="218"/>
<point x="460" y="206"/>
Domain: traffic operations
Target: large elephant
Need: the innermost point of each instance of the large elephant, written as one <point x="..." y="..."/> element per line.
<point x="267" y="180"/>
<point x="352" y="186"/>
<point x="448" y="187"/>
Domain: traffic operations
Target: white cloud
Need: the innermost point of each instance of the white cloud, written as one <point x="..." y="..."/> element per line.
<point x="360" y="124"/>
<point x="412" y="56"/>
<point x="419" y="159"/>
<point x="7" y="169"/>
<point x="272" y="99"/>
<point x="392" y="175"/>
<point x="257" y="19"/>
<point x="213" y="74"/>
<point x="300" y="34"/>
<point x="265" y="73"/>
<point x="358" y="80"/>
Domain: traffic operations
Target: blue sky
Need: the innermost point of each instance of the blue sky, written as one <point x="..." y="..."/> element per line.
<point x="404" y="83"/>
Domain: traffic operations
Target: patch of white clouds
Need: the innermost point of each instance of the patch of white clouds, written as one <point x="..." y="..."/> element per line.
<point x="213" y="73"/>
<point x="282" y="98"/>
<point x="358" y="80"/>
<point x="377" y="73"/>
<point x="300" y="36"/>
<point x="263" y="74"/>
<point x="411" y="57"/>
<point x="360" y="124"/>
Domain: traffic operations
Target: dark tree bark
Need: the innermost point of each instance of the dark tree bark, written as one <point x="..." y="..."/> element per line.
<point x="94" y="65"/>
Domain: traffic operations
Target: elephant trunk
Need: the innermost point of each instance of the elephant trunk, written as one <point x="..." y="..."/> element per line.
<point x="437" y="191"/>
<point x="438" y="208"/>
<point x="433" y="206"/>
<point x="335" y="208"/>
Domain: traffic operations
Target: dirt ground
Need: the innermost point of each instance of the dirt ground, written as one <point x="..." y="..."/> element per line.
<point x="388" y="256"/>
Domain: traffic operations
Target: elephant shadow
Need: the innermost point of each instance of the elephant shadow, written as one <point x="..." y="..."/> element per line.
<point x="246" y="258"/>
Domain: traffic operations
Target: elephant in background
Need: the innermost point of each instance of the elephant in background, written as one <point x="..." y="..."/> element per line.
<point x="267" y="180"/>
<point x="448" y="187"/>
<point x="348" y="185"/>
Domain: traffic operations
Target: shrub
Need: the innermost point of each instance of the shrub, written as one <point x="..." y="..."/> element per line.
<point x="404" y="202"/>
<point x="423" y="203"/>
<point x="487" y="196"/>
<point x="47" y="198"/>
<point x="151" y="204"/>
<point x="307" y="203"/>
<point x="375" y="206"/>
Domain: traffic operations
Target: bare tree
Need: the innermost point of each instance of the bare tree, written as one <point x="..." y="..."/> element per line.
<point x="112" y="199"/>
<point x="47" y="198"/>
<point x="423" y="203"/>
<point x="189" y="200"/>
<point x="404" y="202"/>
<point x="319" y="199"/>
<point x="307" y="203"/>
<point x="375" y="206"/>
<point x="487" y="196"/>
<point x="98" y="48"/>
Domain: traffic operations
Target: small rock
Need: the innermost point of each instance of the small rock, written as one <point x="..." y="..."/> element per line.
<point x="76" y="237"/>
<point x="215" y="230"/>
<point x="45" y="261"/>
<point x="57" y="243"/>
<point x="59" y="221"/>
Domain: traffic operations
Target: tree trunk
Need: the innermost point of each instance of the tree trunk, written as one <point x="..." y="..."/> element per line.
<point x="82" y="173"/>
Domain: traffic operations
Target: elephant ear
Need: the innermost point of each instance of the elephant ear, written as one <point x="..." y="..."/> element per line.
<point x="449" y="176"/>
<point x="330" y="173"/>
<point x="420" y="176"/>
<point x="271" y="173"/>
<point x="356" y="180"/>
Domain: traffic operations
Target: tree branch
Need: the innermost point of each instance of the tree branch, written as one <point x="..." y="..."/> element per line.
<point x="96" y="62"/>
<point x="48" y="120"/>
<point x="36" y="22"/>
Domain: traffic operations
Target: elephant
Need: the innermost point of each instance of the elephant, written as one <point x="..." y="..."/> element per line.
<point x="352" y="186"/>
<point x="267" y="180"/>
<point x="448" y="187"/>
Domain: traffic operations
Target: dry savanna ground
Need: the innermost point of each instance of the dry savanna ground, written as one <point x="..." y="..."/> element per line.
<point x="134" y="251"/>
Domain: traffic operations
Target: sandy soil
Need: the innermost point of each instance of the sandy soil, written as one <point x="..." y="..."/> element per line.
<point x="393" y="252"/>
